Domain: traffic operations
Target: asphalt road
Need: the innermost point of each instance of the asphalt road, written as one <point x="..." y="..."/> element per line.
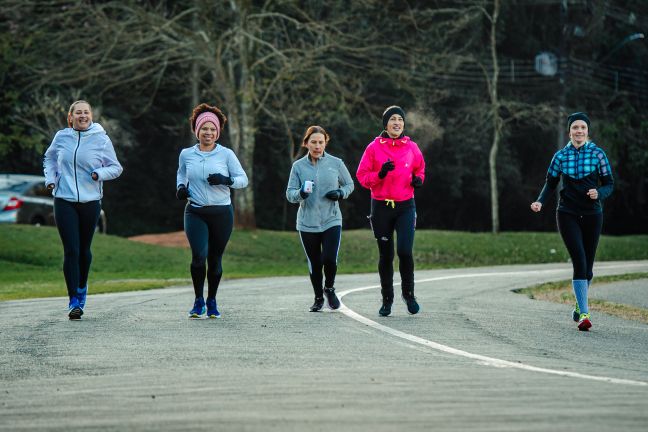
<point x="478" y="357"/>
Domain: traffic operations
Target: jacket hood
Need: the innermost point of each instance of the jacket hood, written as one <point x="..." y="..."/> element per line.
<point x="403" y="140"/>
<point x="95" y="128"/>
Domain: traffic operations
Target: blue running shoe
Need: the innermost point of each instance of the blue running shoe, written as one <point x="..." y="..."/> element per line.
<point x="199" y="309"/>
<point x="212" y="308"/>
<point x="74" y="311"/>
<point x="81" y="295"/>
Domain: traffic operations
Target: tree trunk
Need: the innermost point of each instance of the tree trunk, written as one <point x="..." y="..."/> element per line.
<point x="243" y="121"/>
<point x="497" y="122"/>
<point x="242" y="138"/>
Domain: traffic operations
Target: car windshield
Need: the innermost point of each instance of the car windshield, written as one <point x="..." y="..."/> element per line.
<point x="7" y="185"/>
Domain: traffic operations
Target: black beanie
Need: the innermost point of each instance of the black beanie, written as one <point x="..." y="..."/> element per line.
<point x="577" y="116"/>
<point x="394" y="109"/>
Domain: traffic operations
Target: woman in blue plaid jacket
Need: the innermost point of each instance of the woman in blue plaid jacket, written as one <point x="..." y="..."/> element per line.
<point x="587" y="181"/>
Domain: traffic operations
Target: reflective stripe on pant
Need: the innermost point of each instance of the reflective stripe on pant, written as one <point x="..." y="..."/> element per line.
<point x="321" y="250"/>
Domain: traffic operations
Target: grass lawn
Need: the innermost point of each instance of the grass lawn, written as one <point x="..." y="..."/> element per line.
<point x="31" y="258"/>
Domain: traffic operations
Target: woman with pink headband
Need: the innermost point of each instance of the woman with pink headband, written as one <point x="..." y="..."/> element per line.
<point x="206" y="172"/>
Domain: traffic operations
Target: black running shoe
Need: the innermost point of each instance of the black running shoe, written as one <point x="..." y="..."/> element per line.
<point x="385" y="309"/>
<point x="412" y="306"/>
<point x="331" y="298"/>
<point x="317" y="305"/>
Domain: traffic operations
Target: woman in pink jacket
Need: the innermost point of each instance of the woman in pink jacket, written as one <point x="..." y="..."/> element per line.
<point x="392" y="166"/>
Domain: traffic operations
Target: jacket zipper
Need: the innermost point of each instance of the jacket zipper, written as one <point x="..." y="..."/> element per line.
<point x="76" y="181"/>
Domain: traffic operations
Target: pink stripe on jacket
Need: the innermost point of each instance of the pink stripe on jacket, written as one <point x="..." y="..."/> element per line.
<point x="396" y="185"/>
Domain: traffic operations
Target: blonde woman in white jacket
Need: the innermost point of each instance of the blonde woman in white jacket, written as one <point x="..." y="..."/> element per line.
<point x="79" y="159"/>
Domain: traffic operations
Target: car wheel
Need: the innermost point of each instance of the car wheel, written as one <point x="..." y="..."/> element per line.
<point x="38" y="221"/>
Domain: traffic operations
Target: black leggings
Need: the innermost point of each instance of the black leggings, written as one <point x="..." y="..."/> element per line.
<point x="321" y="251"/>
<point x="208" y="230"/>
<point x="581" y="235"/>
<point x="385" y="219"/>
<point x="76" y="223"/>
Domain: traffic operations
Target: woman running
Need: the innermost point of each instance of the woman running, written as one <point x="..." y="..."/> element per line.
<point x="79" y="159"/>
<point x="587" y="180"/>
<point x="392" y="166"/>
<point x="317" y="182"/>
<point x="206" y="173"/>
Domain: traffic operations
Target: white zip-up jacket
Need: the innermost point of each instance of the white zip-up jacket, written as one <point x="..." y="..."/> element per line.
<point x="194" y="166"/>
<point x="71" y="159"/>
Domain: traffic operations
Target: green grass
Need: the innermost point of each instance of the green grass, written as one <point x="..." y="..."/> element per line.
<point x="31" y="257"/>
<point x="561" y="292"/>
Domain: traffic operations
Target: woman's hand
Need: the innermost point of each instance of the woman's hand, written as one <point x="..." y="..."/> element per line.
<point x="50" y="186"/>
<point x="386" y="167"/>
<point x="94" y="176"/>
<point x="536" y="206"/>
<point x="182" y="193"/>
<point x="592" y="193"/>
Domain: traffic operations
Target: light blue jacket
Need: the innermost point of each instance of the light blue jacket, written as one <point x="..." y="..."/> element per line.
<point x="71" y="159"/>
<point x="318" y="213"/>
<point x="194" y="166"/>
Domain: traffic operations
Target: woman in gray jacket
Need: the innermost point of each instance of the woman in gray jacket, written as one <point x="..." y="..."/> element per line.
<point x="317" y="182"/>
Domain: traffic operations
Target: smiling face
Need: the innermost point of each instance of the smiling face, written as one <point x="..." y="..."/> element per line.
<point x="207" y="134"/>
<point x="80" y="116"/>
<point x="578" y="133"/>
<point x="395" y="126"/>
<point x="316" y="144"/>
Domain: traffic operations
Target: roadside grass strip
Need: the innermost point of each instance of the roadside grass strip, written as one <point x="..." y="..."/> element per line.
<point x="561" y="292"/>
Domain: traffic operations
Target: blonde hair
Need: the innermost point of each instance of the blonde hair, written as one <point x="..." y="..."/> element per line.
<point x="75" y="103"/>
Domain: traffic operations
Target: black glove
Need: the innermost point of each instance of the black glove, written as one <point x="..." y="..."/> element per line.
<point x="334" y="195"/>
<point x="386" y="167"/>
<point x="219" y="179"/>
<point x="416" y="182"/>
<point x="182" y="193"/>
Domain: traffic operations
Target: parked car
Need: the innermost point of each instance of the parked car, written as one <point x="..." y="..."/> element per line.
<point x="24" y="199"/>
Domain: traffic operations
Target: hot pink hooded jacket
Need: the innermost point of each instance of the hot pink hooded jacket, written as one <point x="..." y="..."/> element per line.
<point x="396" y="185"/>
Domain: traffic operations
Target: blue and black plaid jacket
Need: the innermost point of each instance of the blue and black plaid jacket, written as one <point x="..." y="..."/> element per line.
<point x="581" y="170"/>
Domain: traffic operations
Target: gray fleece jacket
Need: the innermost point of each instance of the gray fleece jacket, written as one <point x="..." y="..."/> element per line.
<point x="317" y="213"/>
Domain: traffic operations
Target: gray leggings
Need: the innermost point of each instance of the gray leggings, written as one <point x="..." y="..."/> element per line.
<point x="208" y="230"/>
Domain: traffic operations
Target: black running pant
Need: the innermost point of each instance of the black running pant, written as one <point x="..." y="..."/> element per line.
<point x="387" y="217"/>
<point x="581" y="235"/>
<point x="208" y="230"/>
<point x="321" y="250"/>
<point x="76" y="223"/>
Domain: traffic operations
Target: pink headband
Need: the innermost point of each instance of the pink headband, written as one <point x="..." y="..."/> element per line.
<point x="205" y="117"/>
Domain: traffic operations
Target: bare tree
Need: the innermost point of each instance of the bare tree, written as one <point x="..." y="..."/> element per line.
<point x="236" y="53"/>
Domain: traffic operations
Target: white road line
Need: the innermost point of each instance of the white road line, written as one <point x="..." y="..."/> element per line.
<point x="485" y="360"/>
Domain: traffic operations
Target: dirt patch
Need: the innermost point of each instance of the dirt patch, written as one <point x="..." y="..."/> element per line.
<point x="173" y="239"/>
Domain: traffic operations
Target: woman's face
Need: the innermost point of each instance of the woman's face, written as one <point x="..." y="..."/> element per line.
<point x="207" y="134"/>
<point x="395" y="126"/>
<point x="316" y="144"/>
<point x="81" y="116"/>
<point x="578" y="133"/>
